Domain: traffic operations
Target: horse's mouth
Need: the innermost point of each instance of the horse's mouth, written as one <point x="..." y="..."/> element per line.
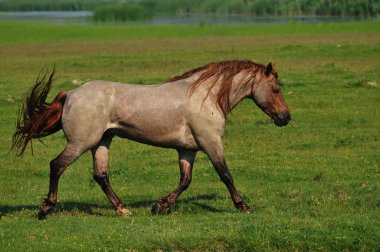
<point x="282" y="119"/>
<point x="280" y="123"/>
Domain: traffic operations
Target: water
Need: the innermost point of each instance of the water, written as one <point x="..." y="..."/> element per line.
<point x="84" y="17"/>
<point x="50" y="16"/>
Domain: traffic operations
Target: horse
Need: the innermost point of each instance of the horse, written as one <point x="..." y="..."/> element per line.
<point x="187" y="113"/>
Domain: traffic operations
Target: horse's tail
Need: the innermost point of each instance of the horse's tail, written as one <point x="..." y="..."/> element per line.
<point x="36" y="117"/>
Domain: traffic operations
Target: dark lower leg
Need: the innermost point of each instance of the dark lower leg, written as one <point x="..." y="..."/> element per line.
<point x="55" y="173"/>
<point x="225" y="176"/>
<point x="104" y="183"/>
<point x="186" y="161"/>
<point x="165" y="202"/>
<point x="57" y="167"/>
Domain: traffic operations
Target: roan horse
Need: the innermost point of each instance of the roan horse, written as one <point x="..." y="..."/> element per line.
<point x="187" y="113"/>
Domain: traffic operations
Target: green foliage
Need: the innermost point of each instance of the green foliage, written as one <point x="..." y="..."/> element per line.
<point x="121" y="13"/>
<point x="314" y="184"/>
<point x="270" y="7"/>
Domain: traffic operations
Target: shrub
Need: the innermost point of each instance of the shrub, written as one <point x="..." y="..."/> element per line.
<point x="122" y="13"/>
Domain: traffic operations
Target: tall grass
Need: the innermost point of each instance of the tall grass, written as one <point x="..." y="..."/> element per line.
<point x="175" y="7"/>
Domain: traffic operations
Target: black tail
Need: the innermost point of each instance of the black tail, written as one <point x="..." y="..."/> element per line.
<point x="37" y="118"/>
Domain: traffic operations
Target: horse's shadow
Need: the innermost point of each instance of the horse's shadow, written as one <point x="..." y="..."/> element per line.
<point x="194" y="200"/>
<point x="91" y="208"/>
<point x="66" y="206"/>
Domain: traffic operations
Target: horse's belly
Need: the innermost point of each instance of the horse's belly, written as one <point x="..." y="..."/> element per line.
<point x="168" y="136"/>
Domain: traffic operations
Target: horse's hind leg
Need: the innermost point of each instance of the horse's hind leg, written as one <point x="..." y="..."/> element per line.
<point x="186" y="161"/>
<point x="57" y="167"/>
<point x="100" y="155"/>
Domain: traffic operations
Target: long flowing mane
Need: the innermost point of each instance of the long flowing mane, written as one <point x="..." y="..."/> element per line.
<point x="223" y="72"/>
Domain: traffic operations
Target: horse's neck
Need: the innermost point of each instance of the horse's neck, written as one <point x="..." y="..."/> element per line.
<point x="241" y="89"/>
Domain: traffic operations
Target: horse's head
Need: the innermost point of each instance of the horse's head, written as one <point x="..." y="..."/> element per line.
<point x="267" y="95"/>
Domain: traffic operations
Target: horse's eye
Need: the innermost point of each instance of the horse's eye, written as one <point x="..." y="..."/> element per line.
<point x="276" y="91"/>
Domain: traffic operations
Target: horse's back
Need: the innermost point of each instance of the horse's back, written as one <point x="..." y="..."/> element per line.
<point x="146" y="113"/>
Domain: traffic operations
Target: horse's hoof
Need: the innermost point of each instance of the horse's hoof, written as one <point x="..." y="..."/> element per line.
<point x="42" y="212"/>
<point x="156" y="208"/>
<point x="245" y="209"/>
<point x="124" y="212"/>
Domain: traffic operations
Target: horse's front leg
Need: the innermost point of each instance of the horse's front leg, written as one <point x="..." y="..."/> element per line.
<point x="214" y="149"/>
<point x="186" y="161"/>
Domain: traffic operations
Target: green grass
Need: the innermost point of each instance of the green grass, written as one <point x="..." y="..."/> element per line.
<point x="314" y="185"/>
<point x="39" y="32"/>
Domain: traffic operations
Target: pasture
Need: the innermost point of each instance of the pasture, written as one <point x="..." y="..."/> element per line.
<point x="313" y="185"/>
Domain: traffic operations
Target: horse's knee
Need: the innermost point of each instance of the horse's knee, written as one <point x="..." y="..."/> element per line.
<point x="223" y="172"/>
<point x="226" y="177"/>
<point x="100" y="177"/>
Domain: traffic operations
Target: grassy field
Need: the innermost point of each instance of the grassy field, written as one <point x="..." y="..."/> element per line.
<point x="314" y="185"/>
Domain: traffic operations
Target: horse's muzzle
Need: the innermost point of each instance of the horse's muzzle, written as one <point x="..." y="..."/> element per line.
<point x="282" y="119"/>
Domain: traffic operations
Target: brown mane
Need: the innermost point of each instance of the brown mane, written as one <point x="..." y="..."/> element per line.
<point x="224" y="71"/>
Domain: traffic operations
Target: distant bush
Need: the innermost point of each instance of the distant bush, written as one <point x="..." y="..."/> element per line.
<point x="315" y="7"/>
<point x="122" y="13"/>
<point x="267" y="7"/>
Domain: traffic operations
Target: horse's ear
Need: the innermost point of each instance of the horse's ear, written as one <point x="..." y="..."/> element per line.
<point x="269" y="69"/>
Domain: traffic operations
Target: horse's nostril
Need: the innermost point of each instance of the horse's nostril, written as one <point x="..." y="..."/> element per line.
<point x="282" y="119"/>
<point x="284" y="116"/>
